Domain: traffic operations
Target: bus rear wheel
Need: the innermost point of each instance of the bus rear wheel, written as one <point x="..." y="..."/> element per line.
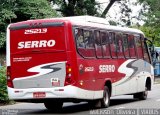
<point x="105" y="101"/>
<point x="53" y="105"/>
<point x="101" y="103"/>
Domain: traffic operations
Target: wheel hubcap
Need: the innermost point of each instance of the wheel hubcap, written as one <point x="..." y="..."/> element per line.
<point x="146" y="92"/>
<point x="106" y="98"/>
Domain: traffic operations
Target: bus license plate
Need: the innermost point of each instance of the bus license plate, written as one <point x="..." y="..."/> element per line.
<point x="39" y="94"/>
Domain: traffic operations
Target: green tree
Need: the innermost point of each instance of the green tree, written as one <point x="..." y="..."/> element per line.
<point x="151" y="33"/>
<point x="19" y="10"/>
<point x="151" y="10"/>
<point x="3" y="86"/>
<point x="82" y="7"/>
<point x="93" y="8"/>
<point x="77" y="7"/>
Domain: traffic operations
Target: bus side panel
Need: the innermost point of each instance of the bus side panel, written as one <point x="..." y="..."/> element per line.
<point x="137" y="72"/>
<point x="148" y="72"/>
<point x="94" y="72"/>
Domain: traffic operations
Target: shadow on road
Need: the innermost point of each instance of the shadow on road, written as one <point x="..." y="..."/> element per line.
<point x="115" y="102"/>
<point x="84" y="107"/>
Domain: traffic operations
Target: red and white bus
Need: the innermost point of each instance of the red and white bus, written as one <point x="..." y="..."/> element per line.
<point x="75" y="59"/>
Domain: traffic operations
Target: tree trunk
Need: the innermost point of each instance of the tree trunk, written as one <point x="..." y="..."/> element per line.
<point x="108" y="7"/>
<point x="70" y="8"/>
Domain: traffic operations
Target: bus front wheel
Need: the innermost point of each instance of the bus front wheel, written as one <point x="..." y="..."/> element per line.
<point x="141" y="95"/>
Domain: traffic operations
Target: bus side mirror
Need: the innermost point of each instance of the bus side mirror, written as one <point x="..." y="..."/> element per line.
<point x="150" y="45"/>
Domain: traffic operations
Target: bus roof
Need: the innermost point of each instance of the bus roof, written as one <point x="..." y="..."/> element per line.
<point x="86" y="20"/>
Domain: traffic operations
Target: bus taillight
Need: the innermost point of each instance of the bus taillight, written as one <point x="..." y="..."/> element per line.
<point x="69" y="78"/>
<point x="9" y="81"/>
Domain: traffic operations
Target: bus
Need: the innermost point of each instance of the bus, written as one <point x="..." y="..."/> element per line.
<point x="156" y="61"/>
<point x="75" y="59"/>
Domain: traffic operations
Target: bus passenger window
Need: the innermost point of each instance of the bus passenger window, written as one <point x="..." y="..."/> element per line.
<point x="88" y="39"/>
<point x="85" y="43"/>
<point x="125" y="45"/>
<point x="98" y="45"/>
<point x="145" y="51"/>
<point x="105" y="44"/>
<point x="119" y="46"/>
<point x="113" y="45"/>
<point x="89" y="43"/>
<point x="97" y="38"/>
<point x="80" y="38"/>
<point x="138" y="46"/>
<point x="80" y="42"/>
<point x="131" y="44"/>
<point x="104" y="37"/>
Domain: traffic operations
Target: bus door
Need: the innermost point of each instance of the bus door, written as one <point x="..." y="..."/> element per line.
<point x="85" y="60"/>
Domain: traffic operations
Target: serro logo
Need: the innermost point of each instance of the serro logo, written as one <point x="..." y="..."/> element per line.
<point x="106" y="68"/>
<point x="36" y="44"/>
<point x="35" y="31"/>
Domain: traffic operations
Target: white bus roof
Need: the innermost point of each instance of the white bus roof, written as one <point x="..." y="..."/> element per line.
<point x="98" y="22"/>
<point x="86" y="18"/>
<point x="93" y="21"/>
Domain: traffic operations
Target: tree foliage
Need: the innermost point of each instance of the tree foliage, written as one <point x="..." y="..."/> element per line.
<point x="125" y="18"/>
<point x="151" y="33"/>
<point x="93" y="8"/>
<point x="77" y="7"/>
<point x="19" y="10"/>
<point x="82" y="7"/>
<point x="151" y="9"/>
<point x="3" y="86"/>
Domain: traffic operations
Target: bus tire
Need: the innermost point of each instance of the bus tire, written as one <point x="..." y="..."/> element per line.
<point x="53" y="105"/>
<point x="105" y="101"/>
<point x="95" y="104"/>
<point x="141" y="95"/>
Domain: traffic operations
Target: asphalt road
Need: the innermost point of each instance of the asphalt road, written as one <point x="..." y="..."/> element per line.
<point x="117" y="103"/>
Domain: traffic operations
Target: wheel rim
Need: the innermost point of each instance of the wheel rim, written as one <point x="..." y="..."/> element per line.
<point x="146" y="92"/>
<point x="106" y="99"/>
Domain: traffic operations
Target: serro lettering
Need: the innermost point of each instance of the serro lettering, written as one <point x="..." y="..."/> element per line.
<point x="36" y="44"/>
<point x="106" y="68"/>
